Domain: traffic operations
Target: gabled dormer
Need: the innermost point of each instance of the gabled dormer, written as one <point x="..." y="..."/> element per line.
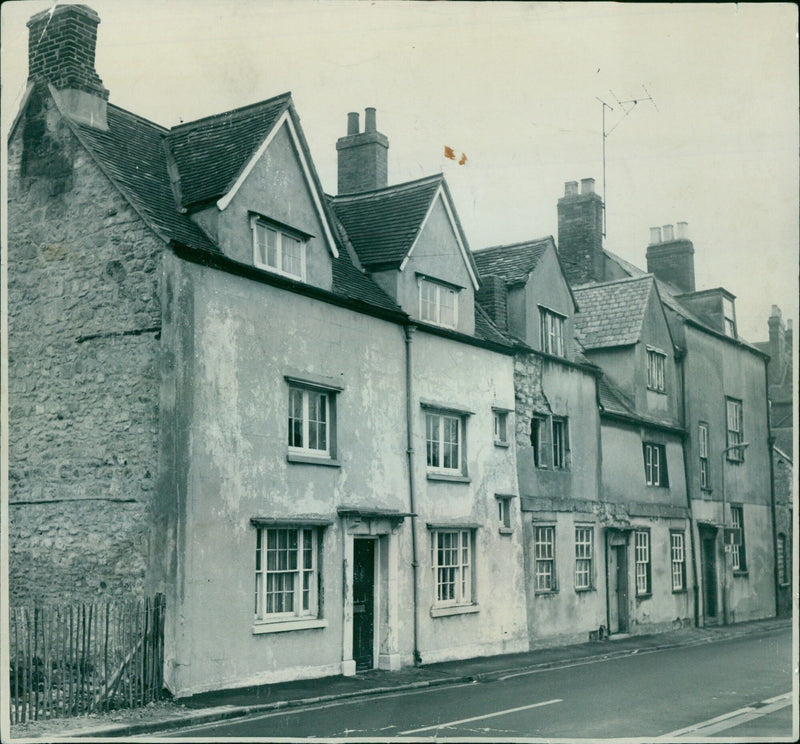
<point x="247" y="178"/>
<point x="716" y="307"/>
<point x="623" y="329"/>
<point x="525" y="291"/>
<point x="408" y="237"/>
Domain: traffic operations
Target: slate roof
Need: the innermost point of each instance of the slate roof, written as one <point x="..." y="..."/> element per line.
<point x="383" y="224"/>
<point x="512" y="263"/>
<point x="612" y="313"/>
<point x="131" y="152"/>
<point x="211" y="153"/>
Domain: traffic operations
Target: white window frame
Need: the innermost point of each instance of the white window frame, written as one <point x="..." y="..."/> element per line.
<point x="677" y="544"/>
<point x="504" y="512"/>
<point x="738" y="552"/>
<point x="642" y="562"/>
<point x="551" y="331"/>
<point x="435" y="425"/>
<point x="452" y="565"/>
<point x="729" y="317"/>
<point x="540" y="443"/>
<point x="656" y="370"/>
<point x="584" y="557"/>
<point x="259" y="227"/>
<point x="306" y="396"/>
<point x="430" y="310"/>
<point x="544" y="552"/>
<point x="702" y="440"/>
<point x="500" y="427"/>
<point x="559" y="438"/>
<point x="306" y="546"/>
<point x="734" y="416"/>
<point x="655" y="465"/>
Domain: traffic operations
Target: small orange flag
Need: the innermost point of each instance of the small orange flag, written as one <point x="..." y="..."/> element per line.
<point x="448" y="153"/>
<point x="463" y="159"/>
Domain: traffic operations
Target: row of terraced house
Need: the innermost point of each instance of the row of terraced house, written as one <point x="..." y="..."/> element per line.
<point x="331" y="433"/>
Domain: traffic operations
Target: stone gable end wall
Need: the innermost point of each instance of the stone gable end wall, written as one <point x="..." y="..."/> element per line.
<point x="83" y="346"/>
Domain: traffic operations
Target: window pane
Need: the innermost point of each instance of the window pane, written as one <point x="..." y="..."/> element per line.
<point x="291" y="256"/>
<point x="272" y="247"/>
<point x="432" y="439"/>
<point x="447" y="299"/>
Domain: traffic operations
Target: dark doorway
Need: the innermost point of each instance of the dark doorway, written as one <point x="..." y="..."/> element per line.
<point x="617" y="582"/>
<point x="363" y="603"/>
<point x="708" y="540"/>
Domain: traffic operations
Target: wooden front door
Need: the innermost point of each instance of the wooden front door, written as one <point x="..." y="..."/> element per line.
<point x="709" y="553"/>
<point x="617" y="583"/>
<point x="363" y="603"/>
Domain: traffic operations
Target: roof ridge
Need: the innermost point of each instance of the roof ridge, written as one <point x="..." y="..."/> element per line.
<point x="384" y="189"/>
<point x="627" y="279"/>
<point x="240" y="111"/>
<point x="513" y="245"/>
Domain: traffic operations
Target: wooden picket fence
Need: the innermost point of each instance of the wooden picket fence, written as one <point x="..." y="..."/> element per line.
<point x="68" y="660"/>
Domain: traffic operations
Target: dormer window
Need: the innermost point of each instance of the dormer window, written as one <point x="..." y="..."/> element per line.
<point x="656" y="360"/>
<point x="729" y="317"/>
<point x="551" y="332"/>
<point x="278" y="249"/>
<point x="438" y="303"/>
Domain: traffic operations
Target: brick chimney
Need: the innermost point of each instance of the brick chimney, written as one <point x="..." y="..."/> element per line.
<point x="580" y="233"/>
<point x="493" y="298"/>
<point x="777" y="345"/>
<point x="61" y="51"/>
<point x="670" y="256"/>
<point x="363" y="156"/>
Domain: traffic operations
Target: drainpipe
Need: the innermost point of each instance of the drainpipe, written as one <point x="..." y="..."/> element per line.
<point x="409" y="333"/>
<point x="686" y="455"/>
<point x="773" y="509"/>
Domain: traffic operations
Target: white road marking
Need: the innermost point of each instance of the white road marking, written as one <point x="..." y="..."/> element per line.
<point x="734" y="718"/>
<point x="479" y="718"/>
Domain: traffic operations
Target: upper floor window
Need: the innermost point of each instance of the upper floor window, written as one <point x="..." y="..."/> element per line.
<point x="560" y="443"/>
<point x="309" y="421"/>
<point x="655" y="464"/>
<point x="702" y="441"/>
<point x="655" y="370"/>
<point x="733" y="410"/>
<point x="443" y="442"/>
<point x="500" y="427"/>
<point x="729" y="317"/>
<point x="551" y="331"/>
<point x="550" y="442"/>
<point x="438" y="304"/>
<point x="278" y="250"/>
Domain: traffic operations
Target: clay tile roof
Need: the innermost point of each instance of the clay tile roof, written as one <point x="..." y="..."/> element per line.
<point x="612" y="313"/>
<point x="131" y="152"/>
<point x="383" y="224"/>
<point x="351" y="282"/>
<point x="210" y="153"/>
<point x="613" y="399"/>
<point x="512" y="263"/>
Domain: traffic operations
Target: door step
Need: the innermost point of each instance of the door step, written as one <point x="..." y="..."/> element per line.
<point x="618" y="636"/>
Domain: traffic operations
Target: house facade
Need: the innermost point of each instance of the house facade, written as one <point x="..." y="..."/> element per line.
<point x="330" y="434"/>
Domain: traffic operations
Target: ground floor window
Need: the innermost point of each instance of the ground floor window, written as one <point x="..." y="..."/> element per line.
<point x="782" y="560"/>
<point x="584" y="555"/>
<point x="642" y="561"/>
<point x="452" y="566"/>
<point x="286" y="576"/>
<point x="738" y="552"/>
<point x="678" y="554"/>
<point x="545" y="557"/>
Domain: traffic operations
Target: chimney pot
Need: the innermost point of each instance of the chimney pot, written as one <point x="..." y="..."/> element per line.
<point x="655" y="235"/>
<point x="668" y="233"/>
<point x="369" y="120"/>
<point x="352" y="122"/>
<point x="683" y="230"/>
<point x="587" y="186"/>
<point x="571" y="188"/>
<point x="776" y="312"/>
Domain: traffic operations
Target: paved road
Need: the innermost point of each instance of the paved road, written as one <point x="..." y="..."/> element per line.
<point x="738" y="687"/>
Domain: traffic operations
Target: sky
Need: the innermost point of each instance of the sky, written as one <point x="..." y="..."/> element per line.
<point x="701" y="123"/>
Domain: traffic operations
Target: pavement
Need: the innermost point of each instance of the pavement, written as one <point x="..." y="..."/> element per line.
<point x="235" y="703"/>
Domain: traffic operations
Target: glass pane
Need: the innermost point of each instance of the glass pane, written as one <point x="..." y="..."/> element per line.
<point x="272" y="247"/>
<point x="295" y="418"/>
<point x="291" y="256"/>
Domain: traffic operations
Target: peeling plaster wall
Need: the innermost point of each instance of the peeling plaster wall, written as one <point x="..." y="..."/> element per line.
<point x="487" y="380"/>
<point x="247" y="336"/>
<point x="83" y="350"/>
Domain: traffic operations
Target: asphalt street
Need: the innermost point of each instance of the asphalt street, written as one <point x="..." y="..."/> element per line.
<point x="737" y="687"/>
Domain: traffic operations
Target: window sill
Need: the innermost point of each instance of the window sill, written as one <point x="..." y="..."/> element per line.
<point x="545" y="593"/>
<point x="679" y="591"/>
<point x="454" y="610"/>
<point x="499" y="443"/>
<point x="506" y="531"/>
<point x="656" y="390"/>
<point x="744" y="573"/>
<point x="583" y="590"/>
<point x="646" y="595"/>
<point x="451" y="478"/>
<point x="329" y="462"/>
<point x="281" y="626"/>
<point x="707" y="489"/>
